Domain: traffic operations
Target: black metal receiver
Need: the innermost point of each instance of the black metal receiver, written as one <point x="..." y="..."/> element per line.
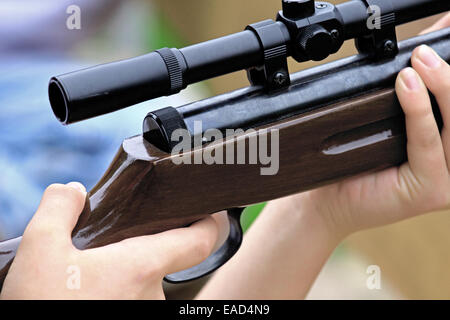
<point x="304" y="29"/>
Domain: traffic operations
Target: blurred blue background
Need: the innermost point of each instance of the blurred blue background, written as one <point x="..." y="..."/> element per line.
<point x="35" y="44"/>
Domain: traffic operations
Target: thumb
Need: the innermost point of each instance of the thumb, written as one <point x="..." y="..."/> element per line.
<point x="58" y="212"/>
<point x="173" y="250"/>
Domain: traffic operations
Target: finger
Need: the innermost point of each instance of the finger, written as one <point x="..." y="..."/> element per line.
<point x="173" y="250"/>
<point x="58" y="212"/>
<point x="435" y="72"/>
<point x="440" y="24"/>
<point x="223" y="226"/>
<point x="425" y="152"/>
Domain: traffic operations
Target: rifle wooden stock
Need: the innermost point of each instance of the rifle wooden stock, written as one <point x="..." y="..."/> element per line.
<point x="144" y="192"/>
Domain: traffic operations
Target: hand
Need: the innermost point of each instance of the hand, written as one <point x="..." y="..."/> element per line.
<point x="286" y="266"/>
<point x="422" y="185"/>
<point x="48" y="266"/>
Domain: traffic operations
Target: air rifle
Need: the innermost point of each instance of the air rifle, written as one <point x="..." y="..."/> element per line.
<point x="333" y="121"/>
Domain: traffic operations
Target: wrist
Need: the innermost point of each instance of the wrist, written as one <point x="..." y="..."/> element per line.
<point x="301" y="215"/>
<point x="327" y="212"/>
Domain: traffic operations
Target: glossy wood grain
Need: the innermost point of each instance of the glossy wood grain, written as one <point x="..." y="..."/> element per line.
<point x="144" y="192"/>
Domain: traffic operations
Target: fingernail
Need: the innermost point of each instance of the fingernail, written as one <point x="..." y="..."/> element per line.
<point x="410" y="79"/>
<point x="77" y="185"/>
<point x="429" y="57"/>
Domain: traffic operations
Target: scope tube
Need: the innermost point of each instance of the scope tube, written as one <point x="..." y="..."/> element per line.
<point x="410" y="10"/>
<point x="354" y="13"/>
<point x="109" y="87"/>
<point x="220" y="56"/>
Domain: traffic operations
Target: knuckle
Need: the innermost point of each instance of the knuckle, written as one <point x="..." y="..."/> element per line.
<point x="430" y="140"/>
<point x="420" y="110"/>
<point x="203" y="247"/>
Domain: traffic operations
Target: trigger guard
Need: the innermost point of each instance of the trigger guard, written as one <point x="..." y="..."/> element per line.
<point x="218" y="258"/>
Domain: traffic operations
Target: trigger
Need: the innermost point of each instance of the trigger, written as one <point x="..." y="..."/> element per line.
<point x="218" y="258"/>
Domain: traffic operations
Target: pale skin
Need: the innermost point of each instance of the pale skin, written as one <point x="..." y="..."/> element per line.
<point x="300" y="232"/>
<point x="303" y="229"/>
<point x="131" y="269"/>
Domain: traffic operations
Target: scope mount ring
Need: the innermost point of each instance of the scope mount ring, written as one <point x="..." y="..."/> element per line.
<point x="273" y="74"/>
<point x="381" y="43"/>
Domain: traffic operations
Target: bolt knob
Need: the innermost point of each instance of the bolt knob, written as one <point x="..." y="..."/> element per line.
<point x="316" y="42"/>
<point x="297" y="9"/>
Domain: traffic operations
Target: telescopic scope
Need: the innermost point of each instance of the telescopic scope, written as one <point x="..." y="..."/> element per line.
<point x="304" y="29"/>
